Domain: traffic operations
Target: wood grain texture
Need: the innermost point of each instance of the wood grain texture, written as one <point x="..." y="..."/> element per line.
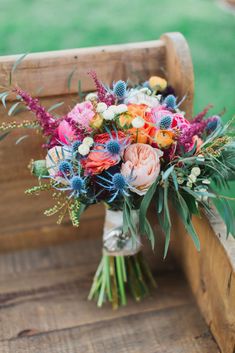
<point x="51" y="70"/>
<point x="211" y="275"/>
<point x="43" y="308"/>
<point x="179" y="69"/>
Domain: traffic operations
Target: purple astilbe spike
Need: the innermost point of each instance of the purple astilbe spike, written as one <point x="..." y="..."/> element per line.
<point x="103" y="94"/>
<point x="48" y="123"/>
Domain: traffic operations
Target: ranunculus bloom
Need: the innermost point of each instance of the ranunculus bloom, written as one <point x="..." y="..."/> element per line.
<point x="141" y="135"/>
<point x="143" y="162"/>
<point x="97" y="162"/>
<point x="65" y="132"/>
<point x="82" y="113"/>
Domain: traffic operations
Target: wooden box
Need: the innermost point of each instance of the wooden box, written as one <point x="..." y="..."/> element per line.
<point x="46" y="270"/>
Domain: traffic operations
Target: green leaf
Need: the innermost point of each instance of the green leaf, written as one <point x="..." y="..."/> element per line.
<point x="15" y="65"/>
<point x="149" y="232"/>
<point x="159" y="199"/>
<point x="167" y="220"/>
<point x="21" y="139"/>
<point x="5" y="134"/>
<point x="167" y="173"/>
<point x="184" y="213"/>
<point x="70" y="76"/>
<point x="53" y="107"/>
<point x="145" y="204"/>
<point x="11" y="110"/>
<point x="3" y="98"/>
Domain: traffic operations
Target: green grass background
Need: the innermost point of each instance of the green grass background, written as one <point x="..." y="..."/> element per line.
<point x="41" y="25"/>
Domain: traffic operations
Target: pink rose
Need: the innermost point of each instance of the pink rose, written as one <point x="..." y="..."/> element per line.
<point x="82" y="113"/>
<point x="143" y="162"/>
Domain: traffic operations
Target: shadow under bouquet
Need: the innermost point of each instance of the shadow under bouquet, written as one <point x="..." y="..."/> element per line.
<point x="126" y="147"/>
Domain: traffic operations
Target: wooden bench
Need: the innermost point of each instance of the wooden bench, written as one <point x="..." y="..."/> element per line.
<point x="46" y="270"/>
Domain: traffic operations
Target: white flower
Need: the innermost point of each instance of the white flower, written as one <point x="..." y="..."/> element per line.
<point x="200" y="158"/>
<point x="91" y="96"/>
<point x="146" y="90"/>
<point x="108" y="114"/>
<point x="206" y="181"/>
<point x="138" y="122"/>
<point x="189" y="184"/>
<point x="192" y="178"/>
<point x="137" y="97"/>
<point x="180" y="180"/>
<point x="54" y="156"/>
<point x="121" y="108"/>
<point x="196" y="171"/>
<point x="88" y="141"/>
<point x="113" y="108"/>
<point x="101" y="107"/>
<point x="83" y="149"/>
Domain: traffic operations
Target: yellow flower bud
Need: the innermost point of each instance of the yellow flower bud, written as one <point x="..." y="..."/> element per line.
<point x="96" y="122"/>
<point x="157" y="83"/>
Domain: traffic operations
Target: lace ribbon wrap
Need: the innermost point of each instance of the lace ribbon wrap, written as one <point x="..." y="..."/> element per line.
<point x="115" y="242"/>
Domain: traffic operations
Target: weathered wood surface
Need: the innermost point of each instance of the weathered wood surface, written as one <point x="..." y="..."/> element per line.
<point x="179" y="69"/>
<point x="51" y="70"/>
<point x="43" y="308"/>
<point x="211" y="275"/>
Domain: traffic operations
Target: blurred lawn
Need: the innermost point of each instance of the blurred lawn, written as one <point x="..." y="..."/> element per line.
<point x="33" y="25"/>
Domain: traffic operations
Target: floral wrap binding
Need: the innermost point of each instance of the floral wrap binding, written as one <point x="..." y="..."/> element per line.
<point x="115" y="242"/>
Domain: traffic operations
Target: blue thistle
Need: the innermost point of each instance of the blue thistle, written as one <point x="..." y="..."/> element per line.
<point x="213" y="123"/>
<point x="170" y="101"/>
<point x="75" y="146"/>
<point x="119" y="89"/>
<point x="77" y="183"/>
<point x="113" y="147"/>
<point x="65" y="167"/>
<point x="165" y="122"/>
<point x="119" y="182"/>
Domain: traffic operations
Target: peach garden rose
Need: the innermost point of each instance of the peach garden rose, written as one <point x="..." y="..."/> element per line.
<point x="143" y="162"/>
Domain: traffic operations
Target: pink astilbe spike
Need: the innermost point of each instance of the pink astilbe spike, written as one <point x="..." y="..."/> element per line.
<point x="201" y="115"/>
<point x="103" y="94"/>
<point x="48" y="123"/>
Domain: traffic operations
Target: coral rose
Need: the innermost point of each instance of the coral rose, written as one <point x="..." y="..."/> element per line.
<point x="143" y="162"/>
<point x="98" y="161"/>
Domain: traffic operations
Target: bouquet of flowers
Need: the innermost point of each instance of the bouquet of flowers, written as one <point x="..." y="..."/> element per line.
<point x="126" y="147"/>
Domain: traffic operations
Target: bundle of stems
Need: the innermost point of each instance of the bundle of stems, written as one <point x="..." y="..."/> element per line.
<point x="116" y="274"/>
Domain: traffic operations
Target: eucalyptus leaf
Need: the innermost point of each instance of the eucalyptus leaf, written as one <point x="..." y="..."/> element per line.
<point x="5" y="134"/>
<point x="54" y="106"/>
<point x="21" y="139"/>
<point x="15" y="65"/>
<point x="12" y="109"/>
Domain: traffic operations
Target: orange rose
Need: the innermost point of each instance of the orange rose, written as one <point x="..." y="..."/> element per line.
<point x="141" y="135"/>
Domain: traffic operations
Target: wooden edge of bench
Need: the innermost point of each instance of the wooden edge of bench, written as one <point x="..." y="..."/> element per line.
<point x="51" y="70"/>
<point x="210" y="273"/>
<point x="179" y="68"/>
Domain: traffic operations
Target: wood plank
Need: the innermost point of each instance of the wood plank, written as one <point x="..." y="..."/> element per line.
<point x="179" y="69"/>
<point x="152" y="332"/>
<point x="211" y="275"/>
<point x="49" y="287"/>
<point x="50" y="70"/>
